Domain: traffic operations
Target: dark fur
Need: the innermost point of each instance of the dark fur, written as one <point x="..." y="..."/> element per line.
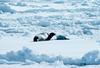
<point x="36" y="38"/>
<point x="50" y="36"/>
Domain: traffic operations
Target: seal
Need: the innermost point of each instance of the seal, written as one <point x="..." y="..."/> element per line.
<point x="43" y="37"/>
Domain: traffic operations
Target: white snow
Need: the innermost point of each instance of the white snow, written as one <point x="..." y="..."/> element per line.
<point x="44" y="65"/>
<point x="78" y="20"/>
<point x="66" y="48"/>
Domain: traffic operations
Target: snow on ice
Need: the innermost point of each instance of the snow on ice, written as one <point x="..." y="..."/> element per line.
<point x="78" y="20"/>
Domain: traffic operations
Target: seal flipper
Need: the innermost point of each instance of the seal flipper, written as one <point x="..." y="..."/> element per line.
<point x="50" y="36"/>
<point x="35" y="39"/>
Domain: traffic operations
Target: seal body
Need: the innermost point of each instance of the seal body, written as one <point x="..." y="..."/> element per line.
<point x="40" y="37"/>
<point x="48" y="36"/>
<point x="61" y="37"/>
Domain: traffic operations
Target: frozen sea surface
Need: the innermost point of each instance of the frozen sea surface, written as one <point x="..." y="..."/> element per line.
<point x="78" y="20"/>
